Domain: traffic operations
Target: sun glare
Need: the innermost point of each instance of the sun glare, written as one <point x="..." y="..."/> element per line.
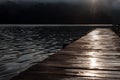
<point x="93" y="1"/>
<point x="94" y="7"/>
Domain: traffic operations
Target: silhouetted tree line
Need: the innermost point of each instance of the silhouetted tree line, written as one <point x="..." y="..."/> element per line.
<point x="49" y="13"/>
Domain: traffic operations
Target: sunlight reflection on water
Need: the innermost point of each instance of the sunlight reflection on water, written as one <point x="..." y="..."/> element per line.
<point x="94" y="61"/>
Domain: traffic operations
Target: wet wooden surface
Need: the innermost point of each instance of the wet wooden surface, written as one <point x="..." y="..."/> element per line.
<point x="95" y="56"/>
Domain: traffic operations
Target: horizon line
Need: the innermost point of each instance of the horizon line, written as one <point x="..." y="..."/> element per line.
<point x="53" y="25"/>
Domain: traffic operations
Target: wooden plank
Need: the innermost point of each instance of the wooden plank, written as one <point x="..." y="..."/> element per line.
<point x="95" y="56"/>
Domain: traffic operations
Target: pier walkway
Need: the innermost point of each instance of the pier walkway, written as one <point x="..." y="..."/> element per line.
<point x="95" y="56"/>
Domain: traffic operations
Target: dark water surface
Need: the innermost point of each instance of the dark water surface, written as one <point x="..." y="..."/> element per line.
<point x="95" y="56"/>
<point x="22" y="47"/>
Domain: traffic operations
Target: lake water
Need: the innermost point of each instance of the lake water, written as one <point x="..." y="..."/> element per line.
<point x="22" y="47"/>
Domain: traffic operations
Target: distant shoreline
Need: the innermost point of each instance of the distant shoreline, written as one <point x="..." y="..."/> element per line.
<point x="56" y="25"/>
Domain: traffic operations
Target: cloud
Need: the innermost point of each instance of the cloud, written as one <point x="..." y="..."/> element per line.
<point x="116" y="5"/>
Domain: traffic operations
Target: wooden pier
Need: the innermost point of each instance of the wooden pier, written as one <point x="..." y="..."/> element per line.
<point x="95" y="56"/>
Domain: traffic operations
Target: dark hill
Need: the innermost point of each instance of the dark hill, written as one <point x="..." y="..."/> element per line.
<point x="50" y="13"/>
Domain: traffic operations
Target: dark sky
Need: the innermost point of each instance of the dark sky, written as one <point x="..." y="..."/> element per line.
<point x="59" y="11"/>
